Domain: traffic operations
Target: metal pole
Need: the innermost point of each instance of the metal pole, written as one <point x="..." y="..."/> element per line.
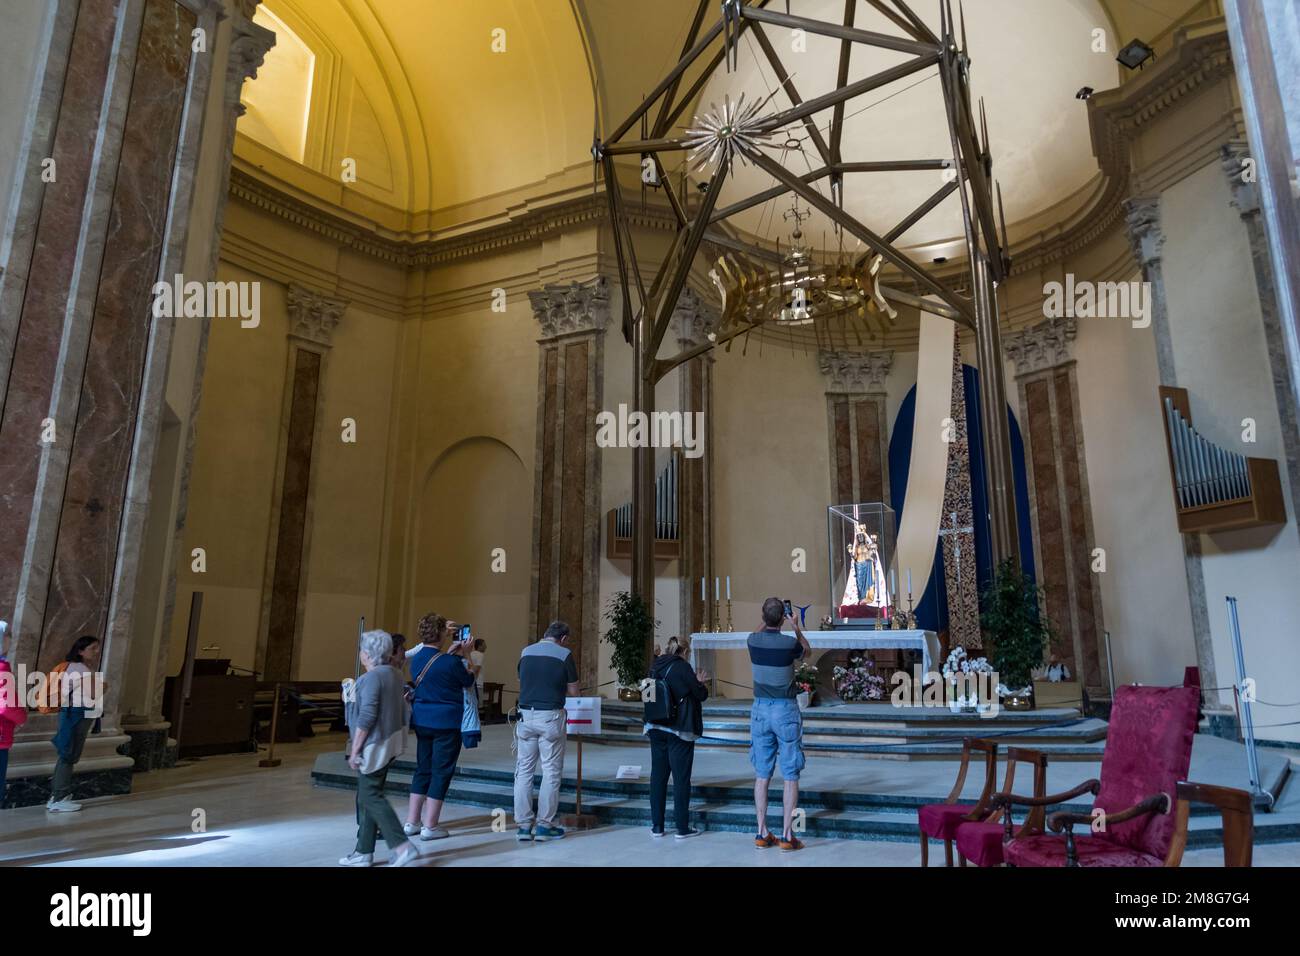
<point x="1110" y="665"/>
<point x="1252" y="758"/>
<point x="270" y="760"/>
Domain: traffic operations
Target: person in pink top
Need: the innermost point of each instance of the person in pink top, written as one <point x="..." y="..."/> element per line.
<point x="12" y="712"/>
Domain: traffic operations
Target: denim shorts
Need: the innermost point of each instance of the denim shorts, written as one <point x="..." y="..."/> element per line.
<point x="776" y="729"/>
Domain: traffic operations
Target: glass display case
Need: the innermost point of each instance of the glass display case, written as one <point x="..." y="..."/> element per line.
<point x="861" y="547"/>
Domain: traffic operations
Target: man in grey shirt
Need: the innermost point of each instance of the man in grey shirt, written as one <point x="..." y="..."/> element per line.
<point x="547" y="674"/>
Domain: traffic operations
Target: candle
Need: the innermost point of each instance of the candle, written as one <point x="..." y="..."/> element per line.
<point x="717" y="590"/>
<point x="909" y="580"/>
<point x="728" y="587"/>
<point x="892" y="589"/>
<point x="704" y="596"/>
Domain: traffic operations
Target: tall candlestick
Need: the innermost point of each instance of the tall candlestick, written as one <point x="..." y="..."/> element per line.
<point x="909" y="582"/>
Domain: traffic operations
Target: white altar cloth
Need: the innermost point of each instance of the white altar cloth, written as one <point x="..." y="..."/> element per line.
<point x="927" y="642"/>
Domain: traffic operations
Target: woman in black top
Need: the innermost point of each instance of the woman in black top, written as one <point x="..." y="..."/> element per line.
<point x="672" y="744"/>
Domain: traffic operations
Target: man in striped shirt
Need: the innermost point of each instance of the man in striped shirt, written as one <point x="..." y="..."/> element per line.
<point x="775" y="724"/>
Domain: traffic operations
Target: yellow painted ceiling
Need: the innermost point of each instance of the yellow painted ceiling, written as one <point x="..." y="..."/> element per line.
<point x="446" y="131"/>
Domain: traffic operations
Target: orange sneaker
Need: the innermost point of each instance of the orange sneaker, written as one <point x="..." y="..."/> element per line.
<point x="794" y="843"/>
<point x="764" y="840"/>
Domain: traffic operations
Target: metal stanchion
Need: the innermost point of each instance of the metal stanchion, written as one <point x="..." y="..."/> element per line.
<point x="270" y="760"/>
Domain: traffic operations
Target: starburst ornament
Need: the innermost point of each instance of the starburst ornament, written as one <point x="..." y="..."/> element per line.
<point x="727" y="133"/>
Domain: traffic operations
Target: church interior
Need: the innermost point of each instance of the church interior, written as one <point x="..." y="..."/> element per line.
<point x="970" y="331"/>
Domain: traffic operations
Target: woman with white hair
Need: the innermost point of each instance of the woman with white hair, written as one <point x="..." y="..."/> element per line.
<point x="376" y="714"/>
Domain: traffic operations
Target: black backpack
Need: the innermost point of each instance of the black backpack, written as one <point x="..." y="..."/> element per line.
<point x="661" y="706"/>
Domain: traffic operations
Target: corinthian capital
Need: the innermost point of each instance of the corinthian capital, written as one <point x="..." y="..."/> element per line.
<point x="572" y="308"/>
<point x="313" y="315"/>
<point x="856" y="372"/>
<point x="693" y="319"/>
<point x="1240" y="170"/>
<point x="1042" y="346"/>
<point x="249" y="44"/>
<point x="1146" y="238"/>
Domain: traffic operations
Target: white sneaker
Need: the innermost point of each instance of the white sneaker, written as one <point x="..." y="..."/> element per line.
<point x="433" y="833"/>
<point x="357" y="859"/>
<point x="66" y="805"/>
<point x="406" y="854"/>
<point x="410" y="829"/>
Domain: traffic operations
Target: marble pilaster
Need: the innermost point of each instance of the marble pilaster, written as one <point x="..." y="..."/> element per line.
<point x="1147" y="240"/>
<point x="313" y="318"/>
<point x="856" y="419"/>
<point x="1060" y="502"/>
<point x="566" y="525"/>
<point x="693" y="321"/>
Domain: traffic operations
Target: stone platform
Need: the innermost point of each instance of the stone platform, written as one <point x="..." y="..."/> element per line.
<point x="883" y="731"/>
<point x="843" y="798"/>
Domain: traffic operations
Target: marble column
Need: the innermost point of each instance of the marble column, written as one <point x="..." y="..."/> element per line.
<point x="692" y="323"/>
<point x="566" y="502"/>
<point x="120" y="112"/>
<point x="858" y="431"/>
<point x="313" y="317"/>
<point x="1060" y="504"/>
<point x="1147" y="240"/>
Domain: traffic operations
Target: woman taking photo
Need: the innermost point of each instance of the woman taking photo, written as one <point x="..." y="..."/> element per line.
<point x="672" y="742"/>
<point x="437" y="711"/>
<point x="75" y="690"/>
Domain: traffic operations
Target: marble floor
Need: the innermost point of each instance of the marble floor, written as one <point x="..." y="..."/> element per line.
<point x="275" y="817"/>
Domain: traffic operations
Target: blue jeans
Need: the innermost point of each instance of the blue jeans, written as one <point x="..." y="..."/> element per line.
<point x="4" y="768"/>
<point x="776" y="730"/>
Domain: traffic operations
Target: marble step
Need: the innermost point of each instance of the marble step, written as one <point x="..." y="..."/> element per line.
<point x="1085" y="729"/>
<point x="882" y="823"/>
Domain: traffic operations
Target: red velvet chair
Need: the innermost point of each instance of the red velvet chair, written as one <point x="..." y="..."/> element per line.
<point x="940" y="820"/>
<point x="1148" y="752"/>
<point x="981" y="841"/>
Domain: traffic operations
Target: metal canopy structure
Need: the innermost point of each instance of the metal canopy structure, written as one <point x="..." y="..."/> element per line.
<point x="740" y="133"/>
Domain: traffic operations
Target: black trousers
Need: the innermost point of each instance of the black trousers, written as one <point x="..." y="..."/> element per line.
<point x="669" y="753"/>
<point x="436" y="752"/>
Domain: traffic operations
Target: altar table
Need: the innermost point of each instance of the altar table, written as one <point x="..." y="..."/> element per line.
<point x="927" y="642"/>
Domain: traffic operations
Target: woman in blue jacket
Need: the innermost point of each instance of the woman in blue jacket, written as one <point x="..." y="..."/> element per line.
<point x="436" y="713"/>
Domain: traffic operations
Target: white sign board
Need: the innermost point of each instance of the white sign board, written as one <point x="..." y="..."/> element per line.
<point x="628" y="772"/>
<point x="582" y="715"/>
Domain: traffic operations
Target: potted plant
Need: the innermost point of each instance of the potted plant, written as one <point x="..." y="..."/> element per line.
<point x="962" y="669"/>
<point x="1019" y="632"/>
<point x="805" y="680"/>
<point x="631" y="629"/>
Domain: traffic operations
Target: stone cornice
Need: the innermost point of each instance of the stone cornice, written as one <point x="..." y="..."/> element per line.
<point x="1199" y="58"/>
<point x="578" y="307"/>
<point x="855" y="372"/>
<point x="1043" y="346"/>
<point x="313" y="315"/>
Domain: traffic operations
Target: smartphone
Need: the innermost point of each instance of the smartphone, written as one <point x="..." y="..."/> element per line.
<point x="465" y="636"/>
<point x="789" y="609"/>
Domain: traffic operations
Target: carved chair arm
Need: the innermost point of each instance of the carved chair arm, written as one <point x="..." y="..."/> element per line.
<point x="1002" y="800"/>
<point x="1156" y="803"/>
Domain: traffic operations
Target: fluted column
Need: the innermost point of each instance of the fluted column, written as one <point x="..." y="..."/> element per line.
<point x="566" y="503"/>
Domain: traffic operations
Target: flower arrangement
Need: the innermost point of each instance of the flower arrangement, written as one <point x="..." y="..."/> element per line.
<point x="857" y="682"/>
<point x="805" y="678"/>
<point x="959" y="664"/>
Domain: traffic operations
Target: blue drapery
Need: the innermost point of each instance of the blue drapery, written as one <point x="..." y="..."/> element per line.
<point x="932" y="602"/>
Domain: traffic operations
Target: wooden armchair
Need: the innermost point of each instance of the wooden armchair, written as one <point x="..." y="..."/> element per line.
<point x="1236" y="810"/>
<point x="981" y="841"/>
<point x="940" y="820"/>
<point x="1148" y="751"/>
